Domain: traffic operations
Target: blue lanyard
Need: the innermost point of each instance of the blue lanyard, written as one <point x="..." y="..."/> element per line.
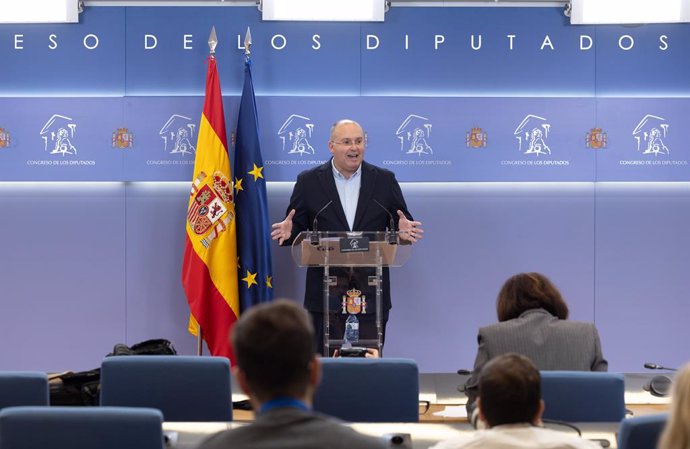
<point x="282" y="403"/>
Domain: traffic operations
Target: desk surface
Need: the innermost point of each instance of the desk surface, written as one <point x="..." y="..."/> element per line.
<point x="440" y="391"/>
<point x="422" y="435"/>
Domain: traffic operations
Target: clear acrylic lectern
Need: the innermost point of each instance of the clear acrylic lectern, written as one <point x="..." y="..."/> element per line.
<point x="349" y="250"/>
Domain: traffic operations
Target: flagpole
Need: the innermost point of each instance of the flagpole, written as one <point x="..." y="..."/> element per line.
<point x="212" y="42"/>
<point x="247" y="43"/>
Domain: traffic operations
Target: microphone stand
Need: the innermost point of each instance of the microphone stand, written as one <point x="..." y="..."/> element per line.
<point x="391" y="233"/>
<point x="314" y="236"/>
<point x="659" y="385"/>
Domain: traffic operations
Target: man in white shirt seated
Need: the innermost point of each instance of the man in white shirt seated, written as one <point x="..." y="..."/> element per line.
<point x="510" y="406"/>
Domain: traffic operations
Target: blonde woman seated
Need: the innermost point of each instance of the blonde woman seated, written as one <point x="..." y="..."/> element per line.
<point x="533" y="321"/>
<point x="676" y="434"/>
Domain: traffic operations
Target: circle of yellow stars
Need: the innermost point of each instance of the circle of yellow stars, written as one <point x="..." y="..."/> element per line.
<point x="250" y="278"/>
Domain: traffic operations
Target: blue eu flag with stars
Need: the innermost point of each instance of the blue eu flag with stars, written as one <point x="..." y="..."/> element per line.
<point x="253" y="229"/>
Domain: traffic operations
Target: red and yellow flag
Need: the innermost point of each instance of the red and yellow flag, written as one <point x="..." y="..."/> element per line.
<point x="209" y="268"/>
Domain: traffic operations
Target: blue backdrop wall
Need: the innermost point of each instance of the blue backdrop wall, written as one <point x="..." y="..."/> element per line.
<point x="523" y="144"/>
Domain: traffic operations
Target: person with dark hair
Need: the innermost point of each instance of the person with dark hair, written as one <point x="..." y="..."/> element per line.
<point x="278" y="369"/>
<point x="510" y="405"/>
<point x="533" y="321"/>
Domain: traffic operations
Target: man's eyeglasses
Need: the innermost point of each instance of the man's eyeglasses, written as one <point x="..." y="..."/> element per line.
<point x="359" y="141"/>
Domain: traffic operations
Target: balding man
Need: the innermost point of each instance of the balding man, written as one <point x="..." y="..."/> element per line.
<point x="351" y="195"/>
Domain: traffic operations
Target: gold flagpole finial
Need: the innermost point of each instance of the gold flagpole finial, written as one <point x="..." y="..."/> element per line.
<point x="247" y="42"/>
<point x="212" y="40"/>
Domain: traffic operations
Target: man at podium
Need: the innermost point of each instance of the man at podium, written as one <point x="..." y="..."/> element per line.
<point x="346" y="194"/>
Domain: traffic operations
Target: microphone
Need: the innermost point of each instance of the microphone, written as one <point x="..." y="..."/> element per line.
<point x="659" y="386"/>
<point x="314" y="237"/>
<point x="649" y="365"/>
<point x="392" y="236"/>
<point x="463" y="372"/>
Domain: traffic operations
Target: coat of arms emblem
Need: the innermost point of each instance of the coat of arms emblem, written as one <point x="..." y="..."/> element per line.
<point x="4" y="138"/>
<point x="476" y="138"/>
<point x="354" y="302"/>
<point x="122" y="138"/>
<point x="210" y="206"/>
<point x="596" y="138"/>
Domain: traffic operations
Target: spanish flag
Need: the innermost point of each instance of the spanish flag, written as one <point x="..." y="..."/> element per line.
<point x="209" y="268"/>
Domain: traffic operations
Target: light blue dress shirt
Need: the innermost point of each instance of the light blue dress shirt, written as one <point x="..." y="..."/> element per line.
<point x="348" y="191"/>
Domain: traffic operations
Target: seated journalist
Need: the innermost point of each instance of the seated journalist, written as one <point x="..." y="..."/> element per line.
<point x="510" y="406"/>
<point x="279" y="371"/>
<point x="533" y="321"/>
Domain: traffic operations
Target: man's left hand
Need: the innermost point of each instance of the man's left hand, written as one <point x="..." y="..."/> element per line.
<point x="409" y="230"/>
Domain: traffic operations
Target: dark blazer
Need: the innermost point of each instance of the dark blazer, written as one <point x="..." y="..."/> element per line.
<point x="551" y="343"/>
<point x="315" y="188"/>
<point x="288" y="428"/>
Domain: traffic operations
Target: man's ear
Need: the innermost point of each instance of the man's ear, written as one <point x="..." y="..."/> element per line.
<point x="480" y="414"/>
<point x="315" y="372"/>
<point x="242" y="380"/>
<point x="540" y="412"/>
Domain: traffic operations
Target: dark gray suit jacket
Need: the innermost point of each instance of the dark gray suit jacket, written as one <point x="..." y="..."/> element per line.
<point x="291" y="428"/>
<point x="314" y="189"/>
<point x="551" y="343"/>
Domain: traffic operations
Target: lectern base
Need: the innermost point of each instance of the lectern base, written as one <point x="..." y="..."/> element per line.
<point x="367" y="331"/>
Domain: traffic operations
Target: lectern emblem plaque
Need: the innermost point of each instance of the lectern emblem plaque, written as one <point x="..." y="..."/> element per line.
<point x="354" y="302"/>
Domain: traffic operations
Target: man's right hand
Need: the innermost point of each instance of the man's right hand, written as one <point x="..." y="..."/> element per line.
<point x="283" y="230"/>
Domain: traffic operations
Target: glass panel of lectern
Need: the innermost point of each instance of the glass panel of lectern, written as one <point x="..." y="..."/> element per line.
<point x="353" y="266"/>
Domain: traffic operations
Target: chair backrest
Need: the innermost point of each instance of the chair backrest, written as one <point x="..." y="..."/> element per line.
<point x="184" y="388"/>
<point x="23" y="388"/>
<point x="641" y="432"/>
<point x="369" y="390"/>
<point x="80" y="428"/>
<point x="581" y="396"/>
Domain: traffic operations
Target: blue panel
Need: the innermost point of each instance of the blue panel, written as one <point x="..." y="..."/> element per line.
<point x="62" y="275"/>
<point x="588" y="240"/>
<point x="165" y="132"/>
<point x="454" y="67"/>
<point x="523" y="51"/>
<point x="48" y="60"/>
<point x="158" y="62"/>
<point x="289" y="57"/>
<point x="649" y="60"/>
<point x="642" y="256"/>
<point x="647" y="139"/>
<point x="527" y="139"/>
<point x="443" y="151"/>
<point x="156" y="304"/>
<point x="321" y="58"/>
<point x="61" y="139"/>
<point x="642" y="138"/>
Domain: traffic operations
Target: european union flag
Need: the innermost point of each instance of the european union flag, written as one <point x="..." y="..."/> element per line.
<point x="253" y="229"/>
